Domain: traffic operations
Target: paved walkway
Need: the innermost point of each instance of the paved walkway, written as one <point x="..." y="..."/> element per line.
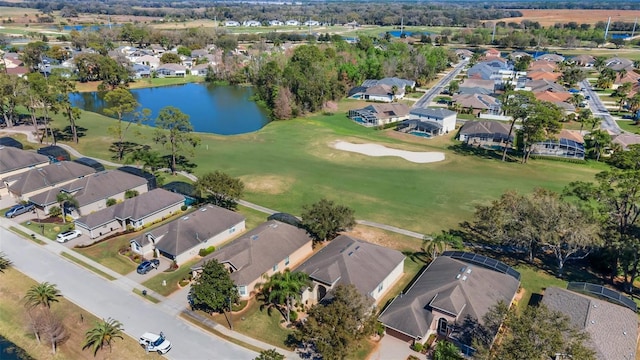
<point x="116" y="299"/>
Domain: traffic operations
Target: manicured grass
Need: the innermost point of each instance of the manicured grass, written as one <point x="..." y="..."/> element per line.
<point x="253" y="217"/>
<point x="26" y="236"/>
<point x="84" y="264"/>
<point x="258" y="324"/>
<point x="413" y="264"/>
<point x="188" y="316"/>
<point x="628" y="125"/>
<point x="148" y="297"/>
<point x="289" y="164"/>
<point x="172" y="278"/>
<point x="534" y="281"/>
<point x="106" y="253"/>
<point x="51" y="230"/>
<point x="13" y="325"/>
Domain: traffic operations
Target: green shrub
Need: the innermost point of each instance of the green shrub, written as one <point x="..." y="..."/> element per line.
<point x="184" y="207"/>
<point x="55" y="211"/>
<point x="111" y="202"/>
<point x="417" y="347"/>
<point x="293" y="316"/>
<point x="207" y="251"/>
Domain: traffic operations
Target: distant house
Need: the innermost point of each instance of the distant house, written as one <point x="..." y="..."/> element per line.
<point x="200" y="70"/>
<point x="14" y="160"/>
<point x="373" y="269"/>
<point x="554" y="58"/>
<point x="630" y="76"/>
<point x="543" y="75"/>
<point x="445" y="119"/>
<point x="379" y="114"/>
<point x="251" y="23"/>
<point x="382" y="93"/>
<point x="141" y="71"/>
<point x="182" y="239"/>
<point x="231" y="23"/>
<point x="92" y="191"/>
<point x="147" y="60"/>
<point x="566" y="144"/>
<point x="612" y="328"/>
<point x="390" y="81"/>
<point x="464" y="54"/>
<point x="269" y="248"/>
<point x="541" y="65"/>
<point x="275" y="23"/>
<point x="492" y="53"/>
<point x="477" y="86"/>
<point x="492" y="69"/>
<point x="456" y="289"/>
<point x="491" y="134"/>
<point x="625" y="140"/>
<point x="173" y="70"/>
<point x="516" y="55"/>
<point x="135" y="213"/>
<point x="583" y="60"/>
<point x="484" y="103"/>
<point x="292" y="23"/>
<point x="618" y="63"/>
<point x="36" y="180"/>
<point x="157" y="49"/>
<point x="545" y="85"/>
<point x="311" y="23"/>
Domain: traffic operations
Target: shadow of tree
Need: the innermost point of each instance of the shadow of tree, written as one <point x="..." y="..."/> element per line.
<point x="128" y="147"/>
<point x="67" y="135"/>
<point x="468" y="150"/>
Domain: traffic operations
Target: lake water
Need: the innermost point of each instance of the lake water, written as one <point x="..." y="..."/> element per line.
<point x="224" y="110"/>
<point x="9" y="351"/>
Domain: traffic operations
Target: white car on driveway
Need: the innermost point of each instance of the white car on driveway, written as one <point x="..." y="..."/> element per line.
<point x="63" y="237"/>
<point x="154" y="342"/>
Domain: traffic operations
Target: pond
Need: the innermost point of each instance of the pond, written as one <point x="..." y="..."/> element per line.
<point x="224" y="110"/>
<point x="9" y="351"/>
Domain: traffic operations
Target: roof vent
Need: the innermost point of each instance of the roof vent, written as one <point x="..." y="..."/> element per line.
<point x="254" y="237"/>
<point x="185" y="218"/>
<point x="458" y="276"/>
<point x="463" y="269"/>
<point x="593" y="321"/>
<point x="469" y="271"/>
<point x="624" y="333"/>
<point x="357" y="247"/>
<point x="464" y="278"/>
<point x="351" y="253"/>
<point x="203" y="209"/>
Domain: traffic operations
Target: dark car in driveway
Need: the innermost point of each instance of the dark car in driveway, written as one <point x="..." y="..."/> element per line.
<point x="147" y="266"/>
<point x="19" y="210"/>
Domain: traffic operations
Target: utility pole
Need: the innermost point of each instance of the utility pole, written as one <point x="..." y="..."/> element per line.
<point x="606" y="31"/>
<point x="634" y="28"/>
<point x="493" y="35"/>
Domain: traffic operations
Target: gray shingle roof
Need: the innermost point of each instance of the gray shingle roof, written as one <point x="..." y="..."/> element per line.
<point x="90" y="189"/>
<point x="181" y="235"/>
<point x="12" y="159"/>
<point x="451" y="285"/>
<point x="485" y="127"/>
<point x="392" y="81"/>
<point x="47" y="176"/>
<point x="613" y="328"/>
<point x="346" y="260"/>
<point x="434" y="113"/>
<point x="259" y="250"/>
<point x="388" y="110"/>
<point x="135" y="209"/>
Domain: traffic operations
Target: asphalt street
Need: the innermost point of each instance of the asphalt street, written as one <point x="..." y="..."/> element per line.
<point x="598" y="109"/>
<point x="434" y="91"/>
<point x="106" y="299"/>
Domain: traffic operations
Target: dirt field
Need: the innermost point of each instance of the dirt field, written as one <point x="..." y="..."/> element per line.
<point x="550" y="17"/>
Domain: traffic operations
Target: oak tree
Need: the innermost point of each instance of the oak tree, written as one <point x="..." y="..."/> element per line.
<point x="325" y="219"/>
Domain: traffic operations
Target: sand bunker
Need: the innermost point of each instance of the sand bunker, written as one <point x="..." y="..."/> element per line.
<point x="379" y="150"/>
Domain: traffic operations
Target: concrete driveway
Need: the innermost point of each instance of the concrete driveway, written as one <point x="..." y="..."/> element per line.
<point x="393" y="348"/>
<point x="114" y="299"/>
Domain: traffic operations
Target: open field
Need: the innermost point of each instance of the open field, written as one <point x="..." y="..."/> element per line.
<point x="288" y="164"/>
<point x="13" y="320"/>
<point x="549" y="17"/>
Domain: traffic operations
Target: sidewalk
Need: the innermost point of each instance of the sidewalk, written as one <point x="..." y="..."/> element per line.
<point x="173" y="305"/>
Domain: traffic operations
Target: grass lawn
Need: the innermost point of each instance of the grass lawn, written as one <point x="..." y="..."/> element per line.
<point x="172" y="278"/>
<point x="290" y="163"/>
<point x="14" y="286"/>
<point x="51" y="230"/>
<point x="89" y="267"/>
<point x="628" y="125"/>
<point x="253" y="217"/>
<point x="106" y="253"/>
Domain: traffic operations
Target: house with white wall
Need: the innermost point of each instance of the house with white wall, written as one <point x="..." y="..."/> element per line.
<point x="444" y="117"/>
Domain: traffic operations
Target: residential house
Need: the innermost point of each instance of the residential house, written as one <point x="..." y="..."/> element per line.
<point x="565" y="144"/>
<point x="147" y="60"/>
<point x="543" y="75"/>
<point x="382" y="93"/>
<point x="251" y="23"/>
<point x="93" y="191"/>
<point x="553" y="96"/>
<point x="390" y="81"/>
<point x="491" y="134"/>
<point x="517" y="55"/>
<point x="554" y="58"/>
<point x="464" y="54"/>
<point x="617" y="64"/>
<point x="231" y="23"/>
<point x="11" y="60"/>
<point x="540" y="65"/>
<point x="380" y="114"/>
<point x="38" y="179"/>
<point x="477" y="86"/>
<point x="134" y="213"/>
<point x="157" y="49"/>
<point x="489" y="70"/>
<point x="545" y="85"/>
<point x="492" y="53"/>
<point x="612" y="328"/>
<point x="372" y="269"/>
<point x="141" y="71"/>
<point x="151" y="179"/>
<point x="311" y="23"/>
<point x="13" y="161"/>
<point x="456" y="289"/>
<point x="629" y="77"/>
<point x="180" y="240"/>
<point x="275" y="23"/>
<point x="198" y="53"/>
<point x="200" y="70"/>
<point x="292" y="23"/>
<point x="583" y="60"/>
<point x="173" y="70"/>
<point x="446" y="119"/>
<point x="483" y="103"/>
<point x="625" y="140"/>
<point x="186" y="61"/>
<point x="271" y="247"/>
<point x="19" y="71"/>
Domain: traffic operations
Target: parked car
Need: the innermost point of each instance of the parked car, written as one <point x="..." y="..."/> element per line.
<point x="147" y="266"/>
<point x="63" y="237"/>
<point x="155" y="342"/>
<point x="19" y="210"/>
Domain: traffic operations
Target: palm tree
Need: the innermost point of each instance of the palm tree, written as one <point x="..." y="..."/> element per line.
<point x="599" y="141"/>
<point x="634" y="103"/>
<point x="583" y="117"/>
<point x="5" y="263"/>
<point x="437" y="243"/>
<point x="65" y="199"/>
<point x="102" y="333"/>
<point x="446" y="350"/>
<point x="576" y="99"/>
<point x="42" y="295"/>
<point x="599" y="62"/>
<point x="282" y="288"/>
